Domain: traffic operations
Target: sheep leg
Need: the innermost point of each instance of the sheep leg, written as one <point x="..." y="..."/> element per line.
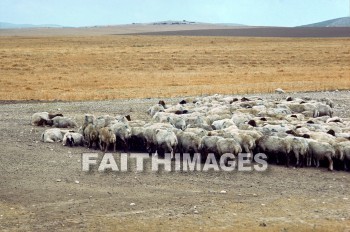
<point x="106" y="146"/>
<point x="126" y="146"/>
<point x="301" y="161"/>
<point x="48" y="140"/>
<point x="297" y="156"/>
<point x="101" y="145"/>
<point x="277" y="160"/>
<point x="317" y="162"/>
<point x="114" y="147"/>
<point x="287" y="160"/>
<point x="330" y="167"/>
<point x="309" y="160"/>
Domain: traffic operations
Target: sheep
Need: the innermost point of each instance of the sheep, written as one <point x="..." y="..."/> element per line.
<point x="278" y="128"/>
<point x="321" y="150"/>
<point x="241" y="118"/>
<point x="122" y="132"/>
<point x="154" y="109"/>
<point x="137" y="139"/>
<point x="122" y="118"/>
<point x="88" y="119"/>
<point x="198" y="131"/>
<point x="246" y="141"/>
<point x="91" y="135"/>
<point x="106" y="138"/>
<point x="175" y="120"/>
<point x="228" y="145"/>
<point x="322" y="137"/>
<point x="274" y="146"/>
<point x="148" y="134"/>
<point x="43" y="118"/>
<point x="343" y="153"/>
<point x="215" y="117"/>
<point x="188" y="142"/>
<point x="137" y="123"/>
<point x="300" y="148"/>
<point x="279" y="91"/>
<point x="103" y="121"/>
<point x="52" y="135"/>
<point x="197" y="122"/>
<point x="174" y="109"/>
<point x="73" y="139"/>
<point x="328" y="102"/>
<point x="165" y="140"/>
<point x="221" y="124"/>
<point x="208" y="144"/>
<point x="322" y="110"/>
<point x="178" y="123"/>
<point x="63" y="122"/>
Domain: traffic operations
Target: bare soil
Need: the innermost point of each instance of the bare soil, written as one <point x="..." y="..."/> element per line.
<point x="38" y="189"/>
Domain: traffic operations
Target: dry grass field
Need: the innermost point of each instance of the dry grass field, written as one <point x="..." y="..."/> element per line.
<point x="110" y="67"/>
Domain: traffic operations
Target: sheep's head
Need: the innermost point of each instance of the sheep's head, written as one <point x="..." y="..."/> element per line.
<point x="128" y="117"/>
<point x="291" y="132"/>
<point x="252" y="123"/>
<point x="70" y="140"/>
<point x="289" y="99"/>
<point x="183" y="102"/>
<point x="331" y="132"/>
<point x="306" y="136"/>
<point x="162" y="103"/>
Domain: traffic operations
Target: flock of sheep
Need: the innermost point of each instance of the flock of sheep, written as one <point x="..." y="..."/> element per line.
<point x="298" y="130"/>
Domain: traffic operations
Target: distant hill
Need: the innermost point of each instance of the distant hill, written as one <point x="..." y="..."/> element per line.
<point x="4" y="25"/>
<point x="185" y="22"/>
<point x="339" y="22"/>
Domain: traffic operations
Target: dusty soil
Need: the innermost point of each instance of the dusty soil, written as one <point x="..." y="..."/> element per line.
<point x="32" y="198"/>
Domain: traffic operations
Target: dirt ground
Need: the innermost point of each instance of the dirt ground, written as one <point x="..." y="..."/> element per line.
<point x="39" y="192"/>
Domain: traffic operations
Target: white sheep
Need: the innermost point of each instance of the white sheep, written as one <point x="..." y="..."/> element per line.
<point x="52" y="135"/>
<point x="73" y="139"/>
<point x="43" y="118"/>
<point x="122" y="132"/>
<point x="63" y="122"/>
<point x="321" y="150"/>
<point x="166" y="140"/>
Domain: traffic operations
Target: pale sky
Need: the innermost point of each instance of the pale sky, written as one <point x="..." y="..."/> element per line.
<point x="111" y="12"/>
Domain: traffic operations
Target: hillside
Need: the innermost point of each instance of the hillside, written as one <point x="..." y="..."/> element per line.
<point x="339" y="22"/>
<point x="5" y="25"/>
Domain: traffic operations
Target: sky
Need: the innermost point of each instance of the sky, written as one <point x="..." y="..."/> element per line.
<point x="111" y="12"/>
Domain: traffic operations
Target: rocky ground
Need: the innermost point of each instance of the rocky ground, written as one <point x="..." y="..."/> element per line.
<point x="42" y="187"/>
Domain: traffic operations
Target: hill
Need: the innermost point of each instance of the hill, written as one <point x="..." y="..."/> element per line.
<point x="339" y="22"/>
<point x="5" y="25"/>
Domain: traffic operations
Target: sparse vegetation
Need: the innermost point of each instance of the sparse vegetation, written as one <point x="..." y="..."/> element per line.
<point x="108" y="67"/>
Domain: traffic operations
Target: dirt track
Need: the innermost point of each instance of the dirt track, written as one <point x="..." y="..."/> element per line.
<point x="31" y="198"/>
